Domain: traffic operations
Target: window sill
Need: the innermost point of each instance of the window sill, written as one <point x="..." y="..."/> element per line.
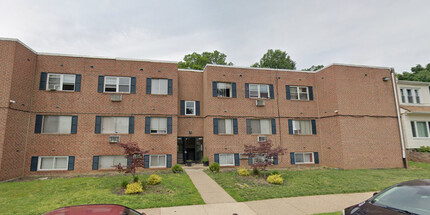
<point x="158" y="94"/>
<point x="303" y="163"/>
<point x="420" y="138"/>
<point x="111" y="134"/>
<point x="55" y="134"/>
<point x="226" y="134"/>
<point x="226" y="165"/>
<point x="295" y="100"/>
<point x="303" y="135"/>
<point x="117" y="93"/>
<point x="158" y="134"/>
<point x="262" y="134"/>
<point x="157" y="167"/>
<point x="260" y="98"/>
<point x="223" y="97"/>
<point x="51" y="170"/>
<point x="189" y="115"/>
<point x="61" y="91"/>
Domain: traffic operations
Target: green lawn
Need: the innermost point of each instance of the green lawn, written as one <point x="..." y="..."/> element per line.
<point x="36" y="197"/>
<point x="317" y="182"/>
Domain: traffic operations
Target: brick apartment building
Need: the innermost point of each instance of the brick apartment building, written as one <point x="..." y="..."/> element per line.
<point x="59" y="114"/>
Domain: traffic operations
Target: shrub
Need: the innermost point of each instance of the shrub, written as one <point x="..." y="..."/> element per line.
<point x="135" y="178"/>
<point x="133" y="188"/>
<point x="214" y="167"/>
<point x="243" y="172"/>
<point x="424" y="149"/>
<point x="205" y="159"/>
<point x="275" y="179"/>
<point x="124" y="184"/>
<point x="255" y="171"/>
<point x="177" y="168"/>
<point x="153" y="179"/>
<point x="274" y="172"/>
<point x="143" y="184"/>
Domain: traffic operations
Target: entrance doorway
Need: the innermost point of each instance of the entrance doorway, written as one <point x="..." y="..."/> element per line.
<point x="190" y="148"/>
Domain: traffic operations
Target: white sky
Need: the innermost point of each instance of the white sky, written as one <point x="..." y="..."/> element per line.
<point x="393" y="33"/>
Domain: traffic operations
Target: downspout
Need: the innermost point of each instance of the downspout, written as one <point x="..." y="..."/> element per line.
<point x="393" y="79"/>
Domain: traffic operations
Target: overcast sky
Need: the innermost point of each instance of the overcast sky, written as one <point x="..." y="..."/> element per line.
<point x="393" y="33"/>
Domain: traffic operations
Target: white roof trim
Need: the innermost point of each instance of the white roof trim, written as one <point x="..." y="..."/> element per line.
<point x="355" y="65"/>
<point x="190" y="70"/>
<point x="413" y="82"/>
<point x="19" y="41"/>
<point x="257" y="68"/>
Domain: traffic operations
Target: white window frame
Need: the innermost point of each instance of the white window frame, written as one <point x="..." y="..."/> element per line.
<point x="115" y="123"/>
<point x="298" y="93"/>
<point x="43" y="124"/>
<point x="194" y="108"/>
<point x="165" y="161"/>
<point x="264" y="156"/>
<point x="158" y="131"/>
<point x="117" y="84"/>
<point x="226" y="84"/>
<point x="415" y="92"/>
<point x="226" y="154"/>
<point x="416" y="129"/>
<point x="159" y="86"/>
<point x="265" y="134"/>
<point x="303" y="153"/>
<point x="39" y="163"/>
<point x="295" y="128"/>
<point x="225" y="125"/>
<point x="259" y="91"/>
<point x="61" y="82"/>
<point x="113" y="166"/>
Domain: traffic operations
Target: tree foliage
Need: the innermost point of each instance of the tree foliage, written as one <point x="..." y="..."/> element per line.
<point x="314" y="68"/>
<point x="418" y="73"/>
<point x="135" y="157"/>
<point x="263" y="154"/>
<point x="275" y="59"/>
<point x="199" y="61"/>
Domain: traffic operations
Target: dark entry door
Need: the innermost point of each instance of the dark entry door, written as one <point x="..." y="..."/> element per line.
<point x="190" y="148"/>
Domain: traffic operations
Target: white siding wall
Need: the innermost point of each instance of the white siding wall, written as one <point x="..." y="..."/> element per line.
<point x="423" y="91"/>
<point x="414" y="142"/>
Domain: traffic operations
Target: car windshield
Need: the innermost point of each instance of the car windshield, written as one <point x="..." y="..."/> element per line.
<point x="413" y="199"/>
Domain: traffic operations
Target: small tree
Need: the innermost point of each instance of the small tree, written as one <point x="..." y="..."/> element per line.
<point x="263" y="154"/>
<point x="134" y="157"/>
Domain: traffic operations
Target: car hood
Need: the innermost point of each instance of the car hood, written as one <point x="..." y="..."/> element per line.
<point x="370" y="209"/>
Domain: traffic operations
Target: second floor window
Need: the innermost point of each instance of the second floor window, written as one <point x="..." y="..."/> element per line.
<point x="259" y="91"/>
<point x="115" y="125"/>
<point x="225" y="126"/>
<point x="299" y="93"/>
<point x="190" y="108"/>
<point x="224" y="89"/>
<point x="261" y="126"/>
<point x="410" y="95"/>
<point x="302" y="127"/>
<point x="158" y="125"/>
<point x="61" y="82"/>
<point x="57" y="124"/>
<point x="117" y="84"/>
<point x="159" y="86"/>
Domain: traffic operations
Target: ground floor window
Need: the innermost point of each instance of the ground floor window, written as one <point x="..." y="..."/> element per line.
<point x="157" y="161"/>
<point x="304" y="157"/>
<point x="53" y="163"/>
<point x="260" y="159"/>
<point x="226" y="159"/>
<point x="420" y="128"/>
<point x="110" y="161"/>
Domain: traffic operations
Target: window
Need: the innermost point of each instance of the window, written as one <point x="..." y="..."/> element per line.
<point x="410" y="96"/>
<point x="299" y="93"/>
<point x="259" y="91"/>
<point x="225" y="126"/>
<point x="224" y="89"/>
<point x="260" y="159"/>
<point x="61" y="82"/>
<point x="261" y="126"/>
<point x="158" y="125"/>
<point x="115" y="125"/>
<point x="57" y="124"/>
<point x="420" y="128"/>
<point x="157" y="161"/>
<point x="109" y="162"/>
<point x="303" y="157"/>
<point x="190" y="108"/>
<point x="117" y="84"/>
<point x="226" y="159"/>
<point x="159" y="86"/>
<point x="302" y="127"/>
<point x="53" y="163"/>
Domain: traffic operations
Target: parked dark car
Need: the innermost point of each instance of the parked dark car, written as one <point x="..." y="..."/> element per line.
<point x="410" y="197"/>
<point x="95" y="210"/>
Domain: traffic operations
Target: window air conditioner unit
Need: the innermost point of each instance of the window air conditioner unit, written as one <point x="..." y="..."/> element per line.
<point x="260" y="103"/>
<point x="54" y="87"/>
<point x="262" y="139"/>
<point x="113" y="139"/>
<point x="116" y="98"/>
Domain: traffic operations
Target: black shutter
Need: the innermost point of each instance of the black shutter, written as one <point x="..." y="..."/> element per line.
<point x="214" y="89"/>
<point x="236" y="159"/>
<point x="131" y="125"/>
<point x="71" y="164"/>
<point x="147" y="125"/>
<point x="42" y="84"/>
<point x="38" y="126"/>
<point x="146" y="161"/>
<point x="272" y="92"/>
<point x="133" y="85"/>
<point x="169" y="161"/>
<point x="170" y="86"/>
<point x="74" y="125"/>
<point x="233" y="86"/>
<point x="216" y="158"/>
<point x="148" y="85"/>
<point x="246" y="90"/>
<point x="290" y="126"/>
<point x="235" y="128"/>
<point x="98" y="127"/>
<point x="292" y="159"/>
<point x="248" y="126"/>
<point x="33" y="165"/>
<point x="273" y="126"/>
<point x="311" y="93"/>
<point x="275" y="160"/>
<point x="78" y="79"/>
<point x="215" y="126"/>
<point x="182" y="107"/>
<point x="169" y="125"/>
<point x="414" y="134"/>
<point x="287" y="87"/>
<point x="249" y="161"/>
<point x="314" y="127"/>
<point x="197" y="108"/>
<point x="316" y="157"/>
<point x="95" y="162"/>
<point x="101" y="84"/>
